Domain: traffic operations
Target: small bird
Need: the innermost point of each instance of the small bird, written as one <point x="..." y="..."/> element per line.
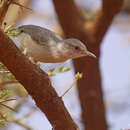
<point x="46" y="46"/>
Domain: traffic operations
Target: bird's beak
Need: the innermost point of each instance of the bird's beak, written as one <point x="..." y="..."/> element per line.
<point x="88" y="53"/>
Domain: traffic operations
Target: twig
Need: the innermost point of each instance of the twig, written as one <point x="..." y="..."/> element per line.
<point x="77" y="76"/>
<point x="22" y="124"/>
<point x="8" y="107"/>
<point x="8" y="100"/>
<point x="15" y="121"/>
<point x="32" y="110"/>
<point x="9" y="82"/>
<point x="74" y="82"/>
<point x="3" y="72"/>
<point x="3" y="117"/>
<point x="21" y="5"/>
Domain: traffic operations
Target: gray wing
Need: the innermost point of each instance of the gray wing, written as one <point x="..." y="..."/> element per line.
<point x="39" y="34"/>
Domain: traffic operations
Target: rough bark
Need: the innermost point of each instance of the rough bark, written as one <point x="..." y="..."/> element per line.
<point x="37" y="83"/>
<point x="89" y="87"/>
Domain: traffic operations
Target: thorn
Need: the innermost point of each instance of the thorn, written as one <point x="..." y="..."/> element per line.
<point x="77" y="77"/>
<point x="21" y="6"/>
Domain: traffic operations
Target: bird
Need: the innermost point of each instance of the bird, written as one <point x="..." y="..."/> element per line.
<point x="44" y="45"/>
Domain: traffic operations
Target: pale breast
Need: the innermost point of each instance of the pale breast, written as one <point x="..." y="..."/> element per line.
<point x="47" y="52"/>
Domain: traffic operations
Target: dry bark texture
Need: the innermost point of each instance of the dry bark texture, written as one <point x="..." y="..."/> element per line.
<point x="89" y="87"/>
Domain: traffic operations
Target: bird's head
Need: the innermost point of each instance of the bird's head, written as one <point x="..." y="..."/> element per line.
<point x="77" y="49"/>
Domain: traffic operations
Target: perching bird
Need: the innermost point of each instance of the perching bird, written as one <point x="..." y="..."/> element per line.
<point x="46" y="46"/>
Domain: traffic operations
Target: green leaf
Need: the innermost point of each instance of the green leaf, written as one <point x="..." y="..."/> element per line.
<point x="10" y="76"/>
<point x="2" y="66"/>
<point x="51" y="70"/>
<point x="13" y="32"/>
<point x="2" y="123"/>
<point x="4" y="93"/>
<point x="63" y="69"/>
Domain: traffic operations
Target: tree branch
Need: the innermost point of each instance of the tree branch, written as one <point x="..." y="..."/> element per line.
<point x="89" y="87"/>
<point x="36" y="83"/>
<point x="95" y="31"/>
<point x="69" y="17"/>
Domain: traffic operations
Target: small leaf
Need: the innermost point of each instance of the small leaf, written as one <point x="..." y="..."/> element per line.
<point x="66" y="69"/>
<point x="2" y="66"/>
<point x="2" y="123"/>
<point x="10" y="76"/>
<point x="8" y="28"/>
<point x="51" y="70"/>
<point x="63" y="69"/>
<point x="9" y="116"/>
<point x="13" y="32"/>
<point x="4" y="93"/>
<point x="78" y="76"/>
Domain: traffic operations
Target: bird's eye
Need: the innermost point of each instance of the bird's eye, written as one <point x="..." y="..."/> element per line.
<point x="77" y="48"/>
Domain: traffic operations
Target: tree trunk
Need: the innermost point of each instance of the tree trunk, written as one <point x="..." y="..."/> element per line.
<point x="89" y="87"/>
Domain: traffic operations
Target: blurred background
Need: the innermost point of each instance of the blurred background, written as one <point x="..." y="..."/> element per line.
<point x="114" y="66"/>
